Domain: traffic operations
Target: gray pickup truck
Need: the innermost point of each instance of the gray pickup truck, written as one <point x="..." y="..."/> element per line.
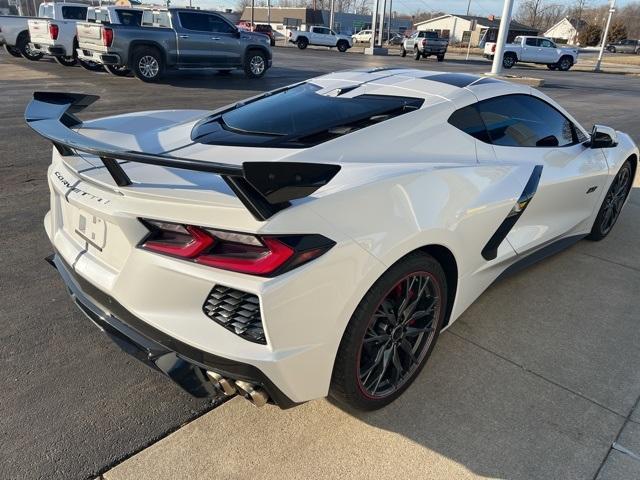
<point x="424" y="44"/>
<point x="179" y="38"/>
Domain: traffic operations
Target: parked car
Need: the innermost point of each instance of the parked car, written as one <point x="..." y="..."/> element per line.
<point x="540" y="50"/>
<point x="88" y="32"/>
<point x="625" y="46"/>
<point x="396" y="39"/>
<point x="189" y="39"/>
<point x="266" y="30"/>
<point x="56" y="36"/>
<point x="302" y="253"/>
<point x="320" y="36"/>
<point x="361" y="36"/>
<point x="425" y="44"/>
<point x="14" y="30"/>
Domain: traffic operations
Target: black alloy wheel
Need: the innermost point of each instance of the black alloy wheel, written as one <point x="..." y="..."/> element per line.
<point x="613" y="202"/>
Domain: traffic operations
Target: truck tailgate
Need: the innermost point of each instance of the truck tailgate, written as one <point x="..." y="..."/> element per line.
<point x="89" y="35"/>
<point x="39" y="32"/>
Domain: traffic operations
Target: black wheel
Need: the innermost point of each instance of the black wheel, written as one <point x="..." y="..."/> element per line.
<point x="612" y="49"/>
<point x="147" y="64"/>
<point x="302" y="43"/>
<point x="403" y="52"/>
<point x="13" y="51"/>
<point x="117" y="70"/>
<point x="91" y="66"/>
<point x="552" y="66"/>
<point x="66" y="61"/>
<point x="612" y="204"/>
<point x="255" y="64"/>
<point x="509" y="60"/>
<point x="416" y="54"/>
<point x="565" y="64"/>
<point x="391" y="334"/>
<point x="272" y="42"/>
<point x="440" y="58"/>
<point x="342" y="46"/>
<point x="26" y="50"/>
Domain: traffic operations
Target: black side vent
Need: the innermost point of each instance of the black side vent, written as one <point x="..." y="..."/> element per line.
<point x="237" y="311"/>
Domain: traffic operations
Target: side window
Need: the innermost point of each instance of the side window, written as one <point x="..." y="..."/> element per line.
<point x="74" y="13"/>
<point x="547" y="44"/>
<point x="194" y="21"/>
<point x="321" y="31"/>
<point x="468" y="120"/>
<point x="525" y="121"/>
<point x="218" y="25"/>
<point x="531" y="42"/>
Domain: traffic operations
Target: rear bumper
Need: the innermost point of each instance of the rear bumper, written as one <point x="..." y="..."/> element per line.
<point x="97" y="57"/>
<point x="54" y="50"/>
<point x="184" y="364"/>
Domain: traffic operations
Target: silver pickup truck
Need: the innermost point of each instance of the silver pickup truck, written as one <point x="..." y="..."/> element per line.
<point x="181" y="39"/>
<point x="424" y="44"/>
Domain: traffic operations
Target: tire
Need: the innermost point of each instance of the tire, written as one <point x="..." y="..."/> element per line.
<point x="13" y="51"/>
<point x="255" y="65"/>
<point x="342" y="46"/>
<point x="91" y="66"/>
<point x="403" y="52"/>
<point x="440" y="58"/>
<point x="148" y="64"/>
<point x="552" y="66"/>
<point x="613" y="202"/>
<point x="368" y="342"/>
<point x="612" y="49"/>
<point x="66" y="61"/>
<point x="23" y="45"/>
<point x="416" y="54"/>
<point x="509" y="60"/>
<point x="302" y="43"/>
<point x="565" y="63"/>
<point x="117" y="70"/>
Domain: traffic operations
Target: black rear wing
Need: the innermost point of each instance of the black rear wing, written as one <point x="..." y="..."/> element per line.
<point x="264" y="188"/>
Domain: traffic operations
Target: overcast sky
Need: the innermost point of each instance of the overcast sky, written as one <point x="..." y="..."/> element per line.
<point x="478" y="7"/>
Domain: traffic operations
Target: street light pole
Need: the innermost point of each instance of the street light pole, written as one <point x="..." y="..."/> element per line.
<point x="331" y="14"/>
<point x="612" y="8"/>
<point x="389" y="24"/>
<point x="381" y="30"/>
<point x="374" y="21"/>
<point x="503" y="33"/>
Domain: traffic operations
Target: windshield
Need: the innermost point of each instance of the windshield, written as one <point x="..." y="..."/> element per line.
<point x="46" y="10"/>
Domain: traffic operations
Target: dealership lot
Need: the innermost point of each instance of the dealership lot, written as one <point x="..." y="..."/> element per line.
<point x="537" y="379"/>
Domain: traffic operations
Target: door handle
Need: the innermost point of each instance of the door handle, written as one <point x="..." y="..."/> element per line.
<point x="215" y="38"/>
<point x="184" y="36"/>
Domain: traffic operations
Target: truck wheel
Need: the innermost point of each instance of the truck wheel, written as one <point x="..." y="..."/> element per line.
<point x="416" y="54"/>
<point x="148" y="65"/>
<point x="302" y="43"/>
<point x="117" y="70"/>
<point x="565" y="63"/>
<point x="440" y="58"/>
<point x="13" y="51"/>
<point x="255" y="64"/>
<point x="66" y="61"/>
<point x="612" y="49"/>
<point x="509" y="60"/>
<point x="342" y="46"/>
<point x="24" y="45"/>
<point x="91" y="66"/>
<point x="403" y="52"/>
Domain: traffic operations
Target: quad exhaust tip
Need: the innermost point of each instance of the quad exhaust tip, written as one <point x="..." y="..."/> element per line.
<point x="256" y="395"/>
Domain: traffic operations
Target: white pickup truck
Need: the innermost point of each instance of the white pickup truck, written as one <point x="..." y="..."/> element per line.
<point x="534" y="50"/>
<point x="55" y="33"/>
<point x="320" y="36"/>
<point x="14" y="30"/>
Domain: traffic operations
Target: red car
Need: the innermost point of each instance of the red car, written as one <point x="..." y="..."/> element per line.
<point x="260" y="28"/>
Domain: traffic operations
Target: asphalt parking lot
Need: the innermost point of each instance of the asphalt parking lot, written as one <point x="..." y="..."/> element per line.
<point x="536" y="380"/>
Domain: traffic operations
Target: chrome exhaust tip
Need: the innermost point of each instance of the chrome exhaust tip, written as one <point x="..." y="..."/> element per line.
<point x="221" y="383"/>
<point x="256" y="395"/>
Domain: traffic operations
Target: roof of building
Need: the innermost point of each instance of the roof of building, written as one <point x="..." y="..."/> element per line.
<point x="577" y="24"/>
<point x="483" y="22"/>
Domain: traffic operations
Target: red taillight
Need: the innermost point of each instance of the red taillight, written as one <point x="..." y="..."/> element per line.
<point x="53" y="31"/>
<point x="493" y="48"/>
<point x="238" y="252"/>
<point x="424" y="41"/>
<point x="107" y="36"/>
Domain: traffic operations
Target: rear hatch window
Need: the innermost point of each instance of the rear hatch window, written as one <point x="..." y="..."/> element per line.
<point x="299" y="117"/>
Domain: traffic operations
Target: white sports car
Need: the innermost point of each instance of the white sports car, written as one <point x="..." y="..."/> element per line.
<point x="316" y="239"/>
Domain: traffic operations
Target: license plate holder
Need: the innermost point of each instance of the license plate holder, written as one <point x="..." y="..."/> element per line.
<point x="91" y="228"/>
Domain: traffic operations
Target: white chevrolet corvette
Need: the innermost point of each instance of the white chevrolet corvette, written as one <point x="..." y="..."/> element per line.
<point x="314" y="240"/>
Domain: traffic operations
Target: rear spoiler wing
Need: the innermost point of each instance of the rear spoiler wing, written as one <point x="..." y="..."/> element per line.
<point x="264" y="188"/>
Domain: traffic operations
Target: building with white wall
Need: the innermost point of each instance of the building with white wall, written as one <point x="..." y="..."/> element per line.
<point x="566" y="30"/>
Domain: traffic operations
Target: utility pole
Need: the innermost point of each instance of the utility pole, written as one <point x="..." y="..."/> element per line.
<point x="374" y="22"/>
<point x="381" y="30"/>
<point x="269" y="12"/>
<point x="612" y="8"/>
<point x="503" y="33"/>
<point x="389" y="24"/>
<point x="253" y="4"/>
<point x="331" y="13"/>
<point x="468" y="7"/>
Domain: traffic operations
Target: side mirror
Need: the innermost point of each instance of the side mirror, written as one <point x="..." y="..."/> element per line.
<point x="603" y="137"/>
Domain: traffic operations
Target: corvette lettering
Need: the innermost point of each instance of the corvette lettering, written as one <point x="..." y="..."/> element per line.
<point x="73" y="189"/>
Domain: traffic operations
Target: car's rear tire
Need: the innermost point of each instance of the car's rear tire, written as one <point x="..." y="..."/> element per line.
<point x="342" y="46"/>
<point x="302" y="43"/>
<point x="565" y="63"/>
<point x="612" y="204"/>
<point x="509" y="60"/>
<point x="403" y="52"/>
<point x="24" y="45"/>
<point x="255" y="65"/>
<point x="148" y="64"/>
<point x="66" y="61"/>
<point x="91" y="66"/>
<point x="440" y="58"/>
<point x="416" y="54"/>
<point x="612" y="49"/>
<point x="117" y="70"/>
<point x="13" y="51"/>
<point x="391" y="334"/>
